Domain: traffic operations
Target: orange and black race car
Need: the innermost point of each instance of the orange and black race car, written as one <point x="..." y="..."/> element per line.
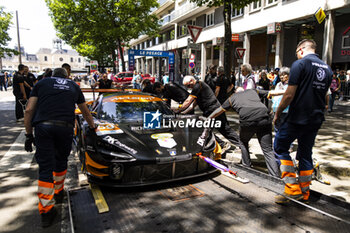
<point x="140" y="142"/>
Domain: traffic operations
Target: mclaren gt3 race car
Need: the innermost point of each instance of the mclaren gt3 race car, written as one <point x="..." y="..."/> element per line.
<point x="139" y="141"/>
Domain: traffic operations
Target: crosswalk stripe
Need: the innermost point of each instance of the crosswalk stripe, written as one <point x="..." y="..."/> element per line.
<point x="16" y="158"/>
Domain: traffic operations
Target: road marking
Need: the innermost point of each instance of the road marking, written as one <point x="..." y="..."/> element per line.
<point x="16" y="158"/>
<point x="100" y="201"/>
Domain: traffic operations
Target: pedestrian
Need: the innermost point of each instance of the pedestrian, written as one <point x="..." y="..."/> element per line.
<point x="136" y="80"/>
<point x="308" y="84"/>
<point x="19" y="93"/>
<point x="210" y="78"/>
<point x="264" y="82"/>
<point x="104" y="83"/>
<point x="248" y="77"/>
<point x="223" y="85"/>
<point x="67" y="67"/>
<point x="335" y="89"/>
<point x="277" y="78"/>
<point x="276" y="100"/>
<point x="254" y="119"/>
<point x="343" y="86"/>
<point x="207" y="102"/>
<point x="2" y="81"/>
<point x="50" y="111"/>
<point x="165" y="78"/>
<point x="170" y="91"/>
<point x="29" y="80"/>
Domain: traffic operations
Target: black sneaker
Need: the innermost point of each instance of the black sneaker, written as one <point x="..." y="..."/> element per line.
<point x="59" y="197"/>
<point x="47" y="218"/>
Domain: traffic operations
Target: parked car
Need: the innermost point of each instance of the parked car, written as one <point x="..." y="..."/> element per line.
<point x="125" y="78"/>
<point x="124" y="153"/>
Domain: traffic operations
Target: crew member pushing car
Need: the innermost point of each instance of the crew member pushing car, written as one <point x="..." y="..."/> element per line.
<point x="50" y="110"/>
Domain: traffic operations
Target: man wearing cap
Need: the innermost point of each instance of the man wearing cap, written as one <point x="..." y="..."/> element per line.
<point x="50" y="111"/>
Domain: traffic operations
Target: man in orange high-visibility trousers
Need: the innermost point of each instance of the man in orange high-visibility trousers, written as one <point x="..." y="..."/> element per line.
<point x="308" y="84"/>
<point x="50" y="110"/>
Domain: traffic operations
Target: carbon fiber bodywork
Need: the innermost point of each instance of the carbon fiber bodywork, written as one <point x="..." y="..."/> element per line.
<point x="126" y="154"/>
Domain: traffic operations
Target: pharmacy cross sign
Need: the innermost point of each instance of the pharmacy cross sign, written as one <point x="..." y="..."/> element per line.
<point x="195" y="31"/>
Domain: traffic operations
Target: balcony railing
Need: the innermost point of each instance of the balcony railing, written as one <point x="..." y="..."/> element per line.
<point x="183" y="10"/>
<point x="166" y="19"/>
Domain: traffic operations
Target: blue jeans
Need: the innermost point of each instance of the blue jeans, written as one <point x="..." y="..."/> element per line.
<point x="53" y="146"/>
<point x="305" y="134"/>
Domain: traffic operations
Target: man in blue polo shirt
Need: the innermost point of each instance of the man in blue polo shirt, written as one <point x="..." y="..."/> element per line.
<point x="308" y="84"/>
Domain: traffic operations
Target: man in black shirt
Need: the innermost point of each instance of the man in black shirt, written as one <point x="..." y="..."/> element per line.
<point x="19" y="92"/>
<point x="223" y="86"/>
<point x="308" y="85"/>
<point x="210" y="78"/>
<point x="170" y="91"/>
<point x="50" y="110"/>
<point x="29" y="80"/>
<point x="104" y="83"/>
<point x="2" y="81"/>
<point x="203" y="96"/>
<point x="254" y="119"/>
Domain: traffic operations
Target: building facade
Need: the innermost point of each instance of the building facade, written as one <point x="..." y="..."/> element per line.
<point x="268" y="30"/>
<point x="47" y="58"/>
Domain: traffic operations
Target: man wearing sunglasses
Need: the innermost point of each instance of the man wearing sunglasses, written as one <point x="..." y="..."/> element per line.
<point x="308" y="84"/>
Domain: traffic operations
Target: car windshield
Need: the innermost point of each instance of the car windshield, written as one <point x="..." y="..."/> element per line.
<point x="130" y="111"/>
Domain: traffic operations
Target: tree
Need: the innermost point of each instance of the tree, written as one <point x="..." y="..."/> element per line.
<point x="97" y="28"/>
<point x="5" y="22"/>
<point x="228" y="6"/>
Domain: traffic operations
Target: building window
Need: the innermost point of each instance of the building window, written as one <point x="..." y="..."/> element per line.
<point x="269" y="2"/>
<point x="45" y="58"/>
<point x="255" y="5"/>
<point x="182" y="30"/>
<point x="61" y="59"/>
<point x="172" y="34"/>
<point x="237" y="12"/>
<point x="210" y="19"/>
<point x="10" y="66"/>
<point x="36" y="67"/>
<point x="71" y="59"/>
<point x="164" y="37"/>
<point x="79" y="60"/>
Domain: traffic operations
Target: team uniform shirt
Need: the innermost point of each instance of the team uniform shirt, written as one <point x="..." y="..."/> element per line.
<point x="205" y="97"/>
<point x="175" y="92"/>
<point x="252" y="112"/>
<point x="313" y="78"/>
<point x="56" y="99"/>
<point x="17" y="79"/>
<point x="211" y="79"/>
<point x="105" y="84"/>
<point x="223" y="83"/>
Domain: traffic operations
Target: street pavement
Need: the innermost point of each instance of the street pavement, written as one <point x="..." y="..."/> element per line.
<point x="18" y="169"/>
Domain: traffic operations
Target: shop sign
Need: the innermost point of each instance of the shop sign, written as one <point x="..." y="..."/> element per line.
<point x="273" y="28"/>
<point x="217" y="40"/>
<point x="345" y="43"/>
<point x="235" y="37"/>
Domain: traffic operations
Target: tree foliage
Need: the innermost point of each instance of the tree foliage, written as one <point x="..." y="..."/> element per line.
<point x="96" y="28"/>
<point x="228" y="5"/>
<point x="5" y="22"/>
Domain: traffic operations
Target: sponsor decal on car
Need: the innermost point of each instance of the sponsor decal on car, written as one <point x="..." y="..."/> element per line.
<point x="165" y="140"/>
<point x="108" y="128"/>
<point x="116" y="142"/>
<point x="131" y="99"/>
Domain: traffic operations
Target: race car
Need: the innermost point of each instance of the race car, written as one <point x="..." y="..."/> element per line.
<point x="125" y="151"/>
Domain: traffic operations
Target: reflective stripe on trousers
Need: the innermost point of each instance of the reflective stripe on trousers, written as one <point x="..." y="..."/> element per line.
<point x="289" y="177"/>
<point x="58" y="180"/>
<point x="305" y="181"/>
<point x="46" y="193"/>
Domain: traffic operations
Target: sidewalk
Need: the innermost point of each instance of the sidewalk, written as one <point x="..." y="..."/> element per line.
<point x="331" y="150"/>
